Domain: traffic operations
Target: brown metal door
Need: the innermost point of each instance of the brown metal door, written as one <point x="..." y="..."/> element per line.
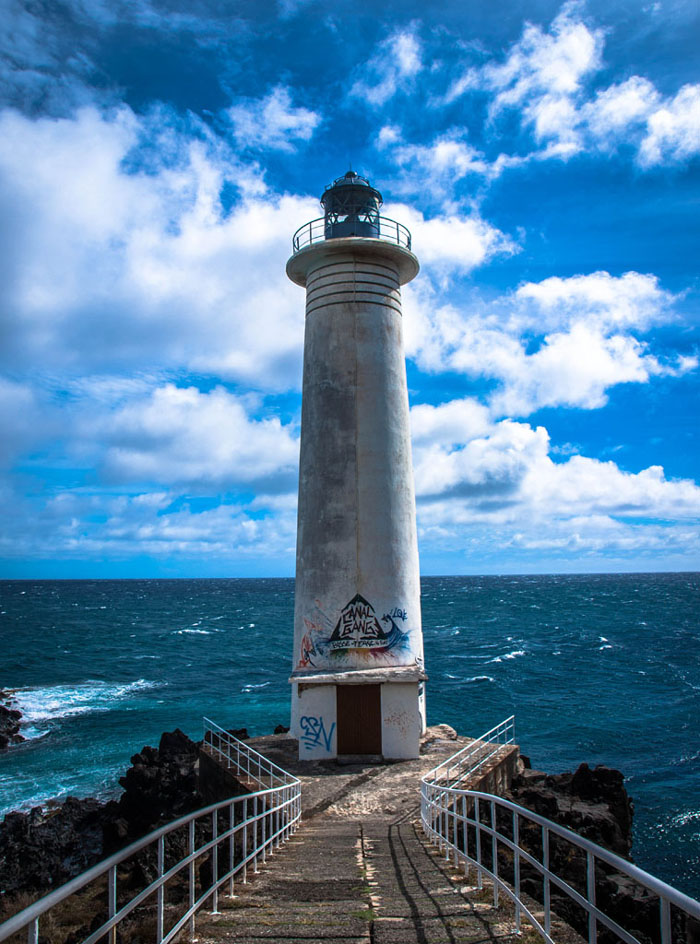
<point x="359" y="718"/>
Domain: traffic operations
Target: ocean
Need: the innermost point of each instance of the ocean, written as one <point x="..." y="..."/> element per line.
<point x="597" y="668"/>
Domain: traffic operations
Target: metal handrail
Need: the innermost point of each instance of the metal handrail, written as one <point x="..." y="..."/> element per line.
<point x="387" y="230"/>
<point x="234" y="753"/>
<point x="261" y="820"/>
<point x="449" y="813"/>
<point x="466" y="761"/>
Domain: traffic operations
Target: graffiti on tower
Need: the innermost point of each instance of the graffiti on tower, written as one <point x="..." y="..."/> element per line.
<point x="358" y="627"/>
<point x="356" y="635"/>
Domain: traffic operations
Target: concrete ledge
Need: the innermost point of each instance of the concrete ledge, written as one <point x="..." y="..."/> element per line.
<point x="381" y="676"/>
<point x="309" y="257"/>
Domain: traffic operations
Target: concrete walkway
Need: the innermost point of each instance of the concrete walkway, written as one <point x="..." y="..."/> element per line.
<point x="358" y="869"/>
<point x="355" y="880"/>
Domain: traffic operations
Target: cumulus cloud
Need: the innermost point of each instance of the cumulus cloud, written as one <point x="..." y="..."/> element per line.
<point x="93" y="525"/>
<point x="542" y="75"/>
<point x="392" y="68"/>
<point x="182" y="435"/>
<point x="491" y="487"/>
<point x="452" y="242"/>
<point x="272" y="122"/>
<point x="559" y="342"/>
<point x="149" y="253"/>
<point x="673" y="129"/>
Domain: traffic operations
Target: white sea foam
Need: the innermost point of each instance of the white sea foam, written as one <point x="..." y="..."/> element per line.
<point x="508" y="655"/>
<point x="192" y="632"/>
<point x="250" y="687"/>
<point x="682" y="819"/>
<point x="40" y="705"/>
<point x="481" y="678"/>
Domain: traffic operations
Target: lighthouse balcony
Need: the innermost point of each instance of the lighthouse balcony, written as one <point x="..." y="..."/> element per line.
<point x="376" y="227"/>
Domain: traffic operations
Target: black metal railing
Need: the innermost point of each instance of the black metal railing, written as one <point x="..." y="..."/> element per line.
<point x="380" y="228"/>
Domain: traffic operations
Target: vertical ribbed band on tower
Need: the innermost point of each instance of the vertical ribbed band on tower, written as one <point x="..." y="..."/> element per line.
<point x="357" y="619"/>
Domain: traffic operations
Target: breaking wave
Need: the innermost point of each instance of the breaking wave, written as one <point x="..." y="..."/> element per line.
<point x="42" y="705"/>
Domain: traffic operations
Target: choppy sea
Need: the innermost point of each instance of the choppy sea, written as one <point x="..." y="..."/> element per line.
<point x="596" y="668"/>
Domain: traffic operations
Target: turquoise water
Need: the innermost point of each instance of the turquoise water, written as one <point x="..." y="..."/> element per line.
<point x="601" y="668"/>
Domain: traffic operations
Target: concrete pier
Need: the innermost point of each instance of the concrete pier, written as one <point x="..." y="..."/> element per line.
<point x="360" y="870"/>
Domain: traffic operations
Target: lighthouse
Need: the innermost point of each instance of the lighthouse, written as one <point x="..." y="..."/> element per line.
<point x="358" y="679"/>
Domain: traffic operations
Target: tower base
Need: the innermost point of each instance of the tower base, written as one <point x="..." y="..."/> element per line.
<point x="360" y="715"/>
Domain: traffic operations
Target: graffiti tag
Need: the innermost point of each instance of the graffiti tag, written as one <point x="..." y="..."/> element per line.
<point x="314" y="732"/>
<point x="396" y="613"/>
<point x="358" y="627"/>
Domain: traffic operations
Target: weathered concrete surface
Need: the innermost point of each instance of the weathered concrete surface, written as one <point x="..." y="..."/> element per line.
<point x="359" y="869"/>
<point x="357" y="589"/>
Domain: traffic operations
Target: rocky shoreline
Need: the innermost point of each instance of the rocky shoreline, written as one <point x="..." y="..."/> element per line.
<point x="45" y="847"/>
<point x="10" y="720"/>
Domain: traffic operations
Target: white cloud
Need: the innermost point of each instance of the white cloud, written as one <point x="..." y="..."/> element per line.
<point x="495" y="490"/>
<point x="150" y="256"/>
<point x="452" y="243"/>
<point x="632" y="300"/>
<point x="673" y="130"/>
<point x="392" y="68"/>
<point x="454" y="422"/>
<point x="97" y="526"/>
<point x="181" y="435"/>
<point x="559" y="342"/>
<point x="272" y="122"/>
<point x="545" y="76"/>
<point x="616" y="108"/>
<point x="553" y="63"/>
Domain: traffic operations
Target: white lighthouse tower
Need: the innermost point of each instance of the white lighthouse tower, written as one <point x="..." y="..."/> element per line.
<point x="358" y="677"/>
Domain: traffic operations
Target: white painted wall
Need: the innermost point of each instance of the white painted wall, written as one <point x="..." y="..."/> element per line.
<point x="401" y="720"/>
<point x="315" y="710"/>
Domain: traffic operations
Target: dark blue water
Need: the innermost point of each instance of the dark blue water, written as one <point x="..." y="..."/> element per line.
<point x="601" y="668"/>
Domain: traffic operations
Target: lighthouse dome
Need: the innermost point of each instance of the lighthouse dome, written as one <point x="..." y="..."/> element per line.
<point x="351" y="206"/>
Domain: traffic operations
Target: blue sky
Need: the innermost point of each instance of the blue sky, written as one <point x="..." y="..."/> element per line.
<point x="155" y="160"/>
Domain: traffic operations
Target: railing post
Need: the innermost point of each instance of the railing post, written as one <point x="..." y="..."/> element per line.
<point x="33" y="932"/>
<point x="455" y="836"/>
<point x="665" y="905"/>
<point x="231" y="847"/>
<point x="547" y="889"/>
<point x="112" y="902"/>
<point x="477" y="821"/>
<point x="191" y="878"/>
<point x="245" y="840"/>
<point x="590" y="895"/>
<point x="215" y="861"/>
<point x="263" y="820"/>
<point x="161" y="891"/>
<point x="446" y="824"/>
<point x="494" y="853"/>
<point x="465" y="841"/>
<point x="516" y="868"/>
<point x="255" y="833"/>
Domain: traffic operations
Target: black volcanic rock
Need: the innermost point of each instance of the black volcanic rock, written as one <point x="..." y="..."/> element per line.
<point x="44" y="848"/>
<point x="594" y="804"/>
<point x="10" y="718"/>
<point x="160" y="786"/>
